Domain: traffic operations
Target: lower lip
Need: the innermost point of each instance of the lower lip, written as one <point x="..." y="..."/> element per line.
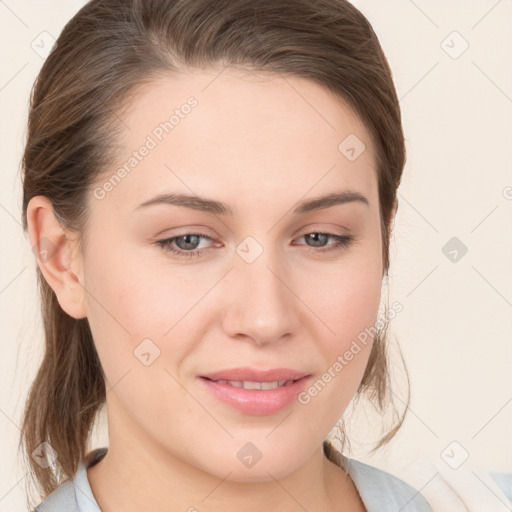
<point x="257" y="402"/>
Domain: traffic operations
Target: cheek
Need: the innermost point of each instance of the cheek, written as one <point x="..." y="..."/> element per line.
<point x="131" y="311"/>
<point x="130" y="294"/>
<point x="129" y="303"/>
<point x="347" y="301"/>
<point x="347" y="298"/>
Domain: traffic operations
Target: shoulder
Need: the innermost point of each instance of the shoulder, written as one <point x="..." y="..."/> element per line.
<point x="504" y="482"/>
<point x="61" y="499"/>
<point x="434" y="486"/>
<point x="74" y="495"/>
<point x="378" y="488"/>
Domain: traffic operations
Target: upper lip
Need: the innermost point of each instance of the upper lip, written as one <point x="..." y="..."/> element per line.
<point x="254" y="375"/>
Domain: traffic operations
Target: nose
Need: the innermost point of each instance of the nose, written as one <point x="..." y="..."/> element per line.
<point x="260" y="304"/>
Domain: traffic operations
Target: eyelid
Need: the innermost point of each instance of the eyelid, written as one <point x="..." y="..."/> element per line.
<point x="324" y="227"/>
<point x="188" y="229"/>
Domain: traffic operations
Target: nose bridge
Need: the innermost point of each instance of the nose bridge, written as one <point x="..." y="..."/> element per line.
<point x="260" y="305"/>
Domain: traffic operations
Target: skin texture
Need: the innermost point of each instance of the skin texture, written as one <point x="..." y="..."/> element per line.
<point x="260" y="143"/>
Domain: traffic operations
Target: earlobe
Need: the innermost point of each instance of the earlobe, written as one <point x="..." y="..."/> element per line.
<point x="57" y="256"/>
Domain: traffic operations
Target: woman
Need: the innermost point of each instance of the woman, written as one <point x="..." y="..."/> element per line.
<point x="209" y="188"/>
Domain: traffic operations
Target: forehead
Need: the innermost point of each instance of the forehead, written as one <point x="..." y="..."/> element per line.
<point x="232" y="133"/>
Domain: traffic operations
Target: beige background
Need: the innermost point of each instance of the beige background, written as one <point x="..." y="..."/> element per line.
<point x="455" y="327"/>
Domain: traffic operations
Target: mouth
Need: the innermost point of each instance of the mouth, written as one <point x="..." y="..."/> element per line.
<point x="247" y="384"/>
<point x="248" y="374"/>
<point x="255" y="397"/>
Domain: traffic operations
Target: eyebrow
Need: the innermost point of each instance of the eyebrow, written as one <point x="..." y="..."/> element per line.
<point x="219" y="208"/>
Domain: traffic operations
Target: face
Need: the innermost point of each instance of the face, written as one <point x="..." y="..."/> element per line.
<point x="260" y="276"/>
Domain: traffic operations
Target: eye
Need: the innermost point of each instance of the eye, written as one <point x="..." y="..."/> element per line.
<point x="318" y="238"/>
<point x="187" y="245"/>
<point x="184" y="244"/>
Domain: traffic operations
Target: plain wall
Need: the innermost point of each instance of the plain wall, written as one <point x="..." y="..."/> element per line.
<point x="455" y="327"/>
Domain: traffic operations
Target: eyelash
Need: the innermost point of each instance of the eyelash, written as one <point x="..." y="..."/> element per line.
<point x="341" y="242"/>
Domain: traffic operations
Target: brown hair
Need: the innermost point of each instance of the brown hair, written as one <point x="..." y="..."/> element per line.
<point x="104" y="54"/>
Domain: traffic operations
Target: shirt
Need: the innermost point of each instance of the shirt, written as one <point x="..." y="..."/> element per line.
<point x="380" y="491"/>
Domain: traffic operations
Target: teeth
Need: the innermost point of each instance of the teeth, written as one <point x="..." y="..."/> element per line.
<point x="255" y="385"/>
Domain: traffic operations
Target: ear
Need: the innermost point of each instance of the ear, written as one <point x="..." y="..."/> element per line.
<point x="57" y="256"/>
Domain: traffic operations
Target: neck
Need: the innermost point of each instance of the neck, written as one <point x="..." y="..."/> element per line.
<point x="140" y="473"/>
<point x="141" y="478"/>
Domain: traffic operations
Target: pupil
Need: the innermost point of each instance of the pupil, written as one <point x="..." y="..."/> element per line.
<point x="315" y="237"/>
<point x="187" y="241"/>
